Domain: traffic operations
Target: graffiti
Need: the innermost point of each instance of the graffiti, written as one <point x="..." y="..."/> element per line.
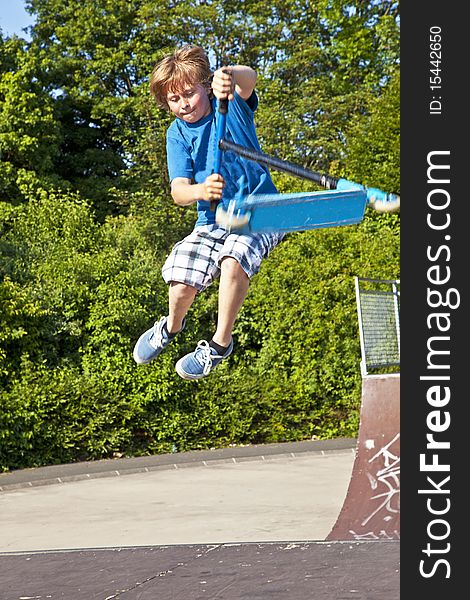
<point x="370" y="535"/>
<point x="386" y="477"/>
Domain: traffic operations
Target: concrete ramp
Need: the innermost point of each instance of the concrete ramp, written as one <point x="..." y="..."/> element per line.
<point x="371" y="510"/>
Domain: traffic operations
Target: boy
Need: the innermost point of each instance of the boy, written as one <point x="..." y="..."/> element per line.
<point x="182" y="83"/>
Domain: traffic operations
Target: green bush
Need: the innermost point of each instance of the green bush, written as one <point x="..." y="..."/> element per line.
<point x="85" y="292"/>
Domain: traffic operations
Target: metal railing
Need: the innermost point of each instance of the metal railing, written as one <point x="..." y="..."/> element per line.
<point x="378" y="307"/>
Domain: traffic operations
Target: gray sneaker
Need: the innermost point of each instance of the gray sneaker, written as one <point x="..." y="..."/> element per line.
<point x="152" y="342"/>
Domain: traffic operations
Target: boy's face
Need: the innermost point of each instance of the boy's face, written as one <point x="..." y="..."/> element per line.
<point x="190" y="104"/>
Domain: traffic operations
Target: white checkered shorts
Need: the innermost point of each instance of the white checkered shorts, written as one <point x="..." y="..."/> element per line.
<point x="195" y="260"/>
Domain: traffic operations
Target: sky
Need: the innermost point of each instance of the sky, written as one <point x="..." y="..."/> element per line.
<point x="13" y="18"/>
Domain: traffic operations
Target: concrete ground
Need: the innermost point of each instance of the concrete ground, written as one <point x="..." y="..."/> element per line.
<point x="269" y="493"/>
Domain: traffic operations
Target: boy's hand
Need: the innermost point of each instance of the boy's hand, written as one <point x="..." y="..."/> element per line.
<point x="212" y="187"/>
<point x="223" y="83"/>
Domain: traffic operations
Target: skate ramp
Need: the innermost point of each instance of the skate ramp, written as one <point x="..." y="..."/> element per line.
<point x="296" y="570"/>
<point x="371" y="510"/>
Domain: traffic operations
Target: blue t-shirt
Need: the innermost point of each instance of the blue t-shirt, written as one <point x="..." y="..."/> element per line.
<point x="191" y="153"/>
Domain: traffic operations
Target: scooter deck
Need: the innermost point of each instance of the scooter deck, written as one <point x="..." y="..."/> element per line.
<point x="294" y="212"/>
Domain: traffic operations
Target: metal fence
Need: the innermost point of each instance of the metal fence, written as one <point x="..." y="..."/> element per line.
<point x="378" y="307"/>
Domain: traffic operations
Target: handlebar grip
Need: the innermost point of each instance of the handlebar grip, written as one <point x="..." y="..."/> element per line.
<point x="223" y="106"/>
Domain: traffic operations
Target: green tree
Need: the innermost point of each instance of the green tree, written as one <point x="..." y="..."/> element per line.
<point x="29" y="131"/>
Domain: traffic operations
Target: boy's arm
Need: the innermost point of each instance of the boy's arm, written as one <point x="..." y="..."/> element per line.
<point x="238" y="77"/>
<point x="185" y="192"/>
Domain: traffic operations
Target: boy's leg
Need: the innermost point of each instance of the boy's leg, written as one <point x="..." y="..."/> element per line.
<point x="239" y="260"/>
<point x="153" y="341"/>
<point x="180" y="298"/>
<point x="233" y="287"/>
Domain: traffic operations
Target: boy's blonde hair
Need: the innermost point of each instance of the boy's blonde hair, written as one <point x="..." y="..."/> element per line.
<point x="184" y="68"/>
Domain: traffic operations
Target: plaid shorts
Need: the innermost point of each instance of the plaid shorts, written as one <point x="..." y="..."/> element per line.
<point x="195" y="260"/>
